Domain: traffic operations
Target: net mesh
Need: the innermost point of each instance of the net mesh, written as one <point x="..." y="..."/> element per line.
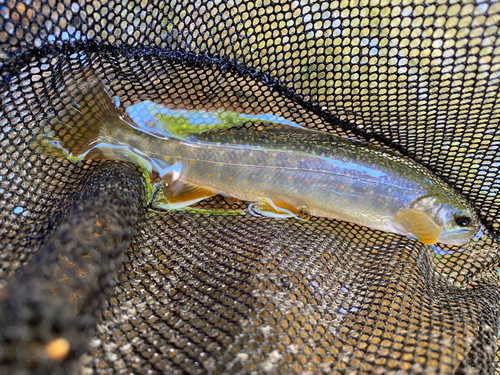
<point x="136" y="291"/>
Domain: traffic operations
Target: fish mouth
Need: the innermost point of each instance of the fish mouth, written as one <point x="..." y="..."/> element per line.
<point x="458" y="238"/>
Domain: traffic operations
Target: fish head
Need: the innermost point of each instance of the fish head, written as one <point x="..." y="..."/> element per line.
<point x="453" y="213"/>
<point x="460" y="224"/>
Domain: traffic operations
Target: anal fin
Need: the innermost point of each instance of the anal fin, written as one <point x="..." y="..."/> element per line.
<point x="179" y="195"/>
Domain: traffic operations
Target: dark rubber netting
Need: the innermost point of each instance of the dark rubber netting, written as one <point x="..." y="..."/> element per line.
<point x="138" y="292"/>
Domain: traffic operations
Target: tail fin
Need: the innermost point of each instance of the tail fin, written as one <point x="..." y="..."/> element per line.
<point x="79" y="126"/>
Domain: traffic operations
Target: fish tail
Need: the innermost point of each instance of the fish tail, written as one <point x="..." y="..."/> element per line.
<point x="88" y="116"/>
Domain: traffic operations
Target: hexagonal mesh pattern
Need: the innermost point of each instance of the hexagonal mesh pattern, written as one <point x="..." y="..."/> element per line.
<point x="132" y="291"/>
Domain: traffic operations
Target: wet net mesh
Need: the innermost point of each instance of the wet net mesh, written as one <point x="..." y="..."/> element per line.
<point x="134" y="291"/>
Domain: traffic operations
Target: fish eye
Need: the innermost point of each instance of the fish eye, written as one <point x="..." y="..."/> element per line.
<point x="462" y="221"/>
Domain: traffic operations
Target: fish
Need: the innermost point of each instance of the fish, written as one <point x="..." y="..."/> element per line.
<point x="281" y="170"/>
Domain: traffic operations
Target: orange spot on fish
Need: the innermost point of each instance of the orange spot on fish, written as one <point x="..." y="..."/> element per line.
<point x="302" y="159"/>
<point x="230" y="178"/>
<point x="288" y="160"/>
<point x="379" y="200"/>
<point x="263" y="184"/>
<point x="191" y="161"/>
<point x="307" y="181"/>
<point x="360" y="199"/>
<point x="260" y="165"/>
<point x="345" y="201"/>
<point x="323" y="170"/>
<point x="230" y="163"/>
<point x="341" y="186"/>
<point x="167" y="157"/>
<point x="396" y="199"/>
<point x="289" y="179"/>
<point x="324" y="186"/>
<point x="245" y="182"/>
<point x="221" y="164"/>
<point x="208" y="174"/>
<point x="273" y="169"/>
<point x="245" y="166"/>
<point x="209" y="160"/>
<point x="274" y="154"/>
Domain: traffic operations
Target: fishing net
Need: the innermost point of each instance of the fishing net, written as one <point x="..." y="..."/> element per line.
<point x="93" y="281"/>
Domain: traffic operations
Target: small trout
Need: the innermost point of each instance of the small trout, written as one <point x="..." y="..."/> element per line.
<point x="282" y="171"/>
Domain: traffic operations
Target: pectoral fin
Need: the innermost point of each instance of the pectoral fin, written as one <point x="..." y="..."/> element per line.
<point x="266" y="207"/>
<point x="420" y="225"/>
<point x="179" y="195"/>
